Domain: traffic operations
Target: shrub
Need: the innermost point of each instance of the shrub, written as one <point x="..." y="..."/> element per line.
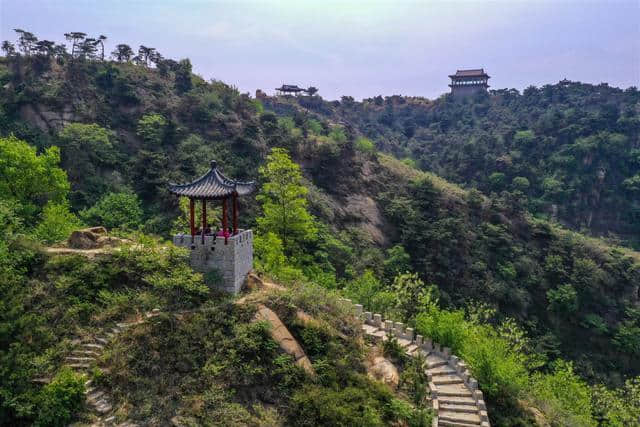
<point x="60" y="399"/>
<point x="520" y="183"/>
<point x="57" y="223"/>
<point x="563" y="299"/>
<point x="563" y="396"/>
<point x="115" y="210"/>
<point x="448" y="328"/>
<point x="365" y="145"/>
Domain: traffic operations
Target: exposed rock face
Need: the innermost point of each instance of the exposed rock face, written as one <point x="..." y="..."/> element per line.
<point x="92" y="238"/>
<point x="385" y="371"/>
<point x="47" y="120"/>
<point x="283" y="337"/>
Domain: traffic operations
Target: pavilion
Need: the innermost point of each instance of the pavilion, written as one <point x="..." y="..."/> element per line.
<point x="469" y="82"/>
<point x="229" y="250"/>
<point x="289" y="89"/>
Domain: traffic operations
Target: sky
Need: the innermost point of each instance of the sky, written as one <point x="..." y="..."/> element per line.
<point x="360" y="48"/>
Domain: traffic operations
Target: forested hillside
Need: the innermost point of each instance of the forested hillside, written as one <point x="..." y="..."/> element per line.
<point x="531" y="305"/>
<point x="568" y="151"/>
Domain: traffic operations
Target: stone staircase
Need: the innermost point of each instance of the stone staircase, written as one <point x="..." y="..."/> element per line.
<point x="455" y="396"/>
<point x="84" y="357"/>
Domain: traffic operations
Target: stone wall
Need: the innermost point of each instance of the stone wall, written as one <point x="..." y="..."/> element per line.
<point x="233" y="259"/>
<point x="448" y="410"/>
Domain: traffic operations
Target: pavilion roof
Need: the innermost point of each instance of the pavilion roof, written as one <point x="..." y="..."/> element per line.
<point x="212" y="185"/>
<point x="292" y="88"/>
<point x="478" y="72"/>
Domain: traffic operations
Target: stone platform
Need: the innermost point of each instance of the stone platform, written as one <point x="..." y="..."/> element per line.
<point x="233" y="259"/>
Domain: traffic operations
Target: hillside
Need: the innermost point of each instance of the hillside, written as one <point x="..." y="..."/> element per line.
<point x="515" y="285"/>
<point x="568" y="150"/>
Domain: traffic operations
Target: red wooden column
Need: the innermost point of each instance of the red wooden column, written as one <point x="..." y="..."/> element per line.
<point x="235" y="214"/>
<point x="192" y="221"/>
<point x="204" y="217"/>
<point x="224" y="219"/>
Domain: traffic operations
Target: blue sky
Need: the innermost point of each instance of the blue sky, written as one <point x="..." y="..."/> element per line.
<point x="361" y="48"/>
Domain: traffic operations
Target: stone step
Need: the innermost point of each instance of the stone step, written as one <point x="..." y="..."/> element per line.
<point x="459" y="417"/>
<point x="95" y="396"/>
<point x="446" y="423"/>
<point x="411" y="349"/>
<point x="116" y="330"/>
<point x="369" y="329"/>
<point x="89" y="390"/>
<point x="102" y="340"/>
<point x="458" y="408"/>
<point x="110" y="419"/>
<point x="79" y="359"/>
<point x="79" y="365"/>
<point x="85" y="353"/>
<point x="93" y="346"/>
<point x="452" y="390"/>
<point x="103" y="408"/>
<point x="435" y="361"/>
<point x="456" y="400"/>
<point x="447" y="379"/>
<point x="442" y="370"/>
<point x="87" y="383"/>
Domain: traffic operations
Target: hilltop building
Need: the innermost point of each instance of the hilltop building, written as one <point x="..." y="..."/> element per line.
<point x="289" y="89"/>
<point x="228" y="250"/>
<point x="468" y="82"/>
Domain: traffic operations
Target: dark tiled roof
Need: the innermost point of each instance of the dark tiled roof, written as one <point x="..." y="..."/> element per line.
<point x="470" y="73"/>
<point x="212" y="185"/>
<point x="292" y="88"/>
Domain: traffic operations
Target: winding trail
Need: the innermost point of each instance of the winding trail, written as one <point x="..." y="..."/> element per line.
<point x="455" y="396"/>
<point x="85" y="357"/>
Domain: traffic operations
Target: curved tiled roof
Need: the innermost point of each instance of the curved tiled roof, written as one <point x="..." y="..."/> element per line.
<point x="212" y="185"/>
<point x="479" y="72"/>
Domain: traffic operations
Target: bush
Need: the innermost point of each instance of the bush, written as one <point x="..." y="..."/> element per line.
<point x="60" y="399"/>
<point x="563" y="396"/>
<point x="365" y="145"/>
<point x="563" y="299"/>
<point x="115" y="210"/>
<point x="448" y="328"/>
<point x="57" y="223"/>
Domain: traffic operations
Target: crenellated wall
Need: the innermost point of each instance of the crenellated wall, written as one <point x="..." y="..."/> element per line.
<point x="234" y="260"/>
<point x="446" y="403"/>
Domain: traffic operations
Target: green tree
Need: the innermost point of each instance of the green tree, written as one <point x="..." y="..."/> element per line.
<point x="412" y="294"/>
<point x="151" y="128"/>
<point x="57" y="223"/>
<point x="563" y="396"/>
<point x="115" y="210"/>
<point x="284" y="202"/>
<point x="85" y="148"/>
<point x="30" y="179"/>
<point x="563" y="299"/>
<point x="398" y="261"/>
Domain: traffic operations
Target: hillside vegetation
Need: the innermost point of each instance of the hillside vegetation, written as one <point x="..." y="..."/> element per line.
<point x="546" y="317"/>
<point x="568" y="151"/>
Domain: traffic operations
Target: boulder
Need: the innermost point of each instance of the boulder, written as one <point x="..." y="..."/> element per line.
<point x="86" y="238"/>
<point x="92" y="238"/>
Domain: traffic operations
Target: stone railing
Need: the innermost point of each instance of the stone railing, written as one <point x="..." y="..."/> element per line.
<point x="463" y="403"/>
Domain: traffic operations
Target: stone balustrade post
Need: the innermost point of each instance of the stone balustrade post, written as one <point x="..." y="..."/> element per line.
<point x="377" y="320"/>
<point x="408" y="334"/>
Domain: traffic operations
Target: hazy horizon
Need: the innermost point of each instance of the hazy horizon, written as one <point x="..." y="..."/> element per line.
<point x="358" y="48"/>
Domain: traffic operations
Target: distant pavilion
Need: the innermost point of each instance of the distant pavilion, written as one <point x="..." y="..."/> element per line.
<point x="468" y="82"/>
<point x="289" y="89"/>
